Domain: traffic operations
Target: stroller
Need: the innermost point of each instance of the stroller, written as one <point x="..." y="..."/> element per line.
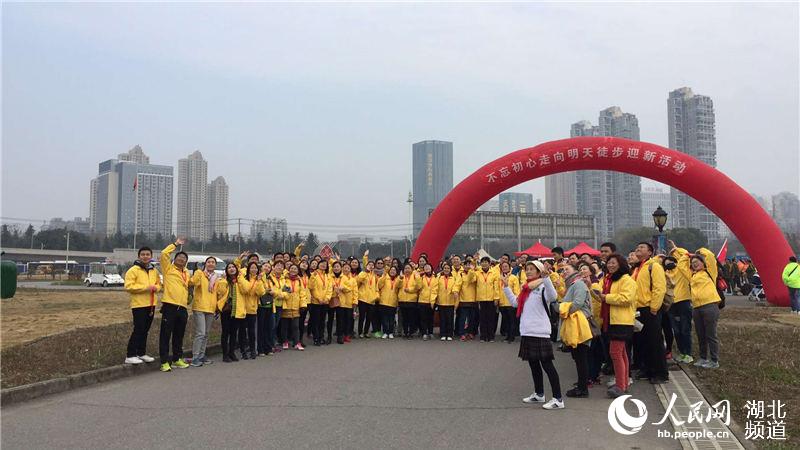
<point x="756" y="293"/>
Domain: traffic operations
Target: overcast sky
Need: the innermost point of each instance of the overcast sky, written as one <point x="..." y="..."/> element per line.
<point x="297" y="105"/>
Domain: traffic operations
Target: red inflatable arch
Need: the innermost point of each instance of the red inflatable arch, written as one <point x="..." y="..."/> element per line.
<point x="756" y="230"/>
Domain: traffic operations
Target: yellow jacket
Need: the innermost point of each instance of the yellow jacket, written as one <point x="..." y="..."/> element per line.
<point x="468" y="292"/>
<point x="487" y="286"/>
<point x="176" y="281"/>
<point x="447" y="289"/>
<point x="513" y="283"/>
<point x="293" y="300"/>
<point x="681" y="291"/>
<point x="575" y="328"/>
<point x="621" y="301"/>
<point x="558" y="284"/>
<point x="238" y="310"/>
<point x="596" y="303"/>
<point x="274" y="285"/>
<point x="651" y="284"/>
<point x="412" y="283"/>
<point x="388" y="290"/>
<point x="307" y="297"/>
<point x="204" y="301"/>
<point x="349" y="287"/>
<point x="138" y="282"/>
<point x="321" y="288"/>
<point x="252" y="290"/>
<point x="429" y="290"/>
<point x="704" y="282"/>
<point x="367" y="287"/>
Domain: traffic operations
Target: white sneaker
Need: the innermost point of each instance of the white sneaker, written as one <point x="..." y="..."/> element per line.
<point x="385" y="336"/>
<point x="612" y="381"/>
<point x="147" y="359"/>
<point x="630" y="381"/>
<point x="133" y="360"/>
<point x="554" y="404"/>
<point x="391" y="336"/>
<point x="449" y="338"/>
<point x="701" y="362"/>
<point x="443" y="338"/>
<point x="534" y="398"/>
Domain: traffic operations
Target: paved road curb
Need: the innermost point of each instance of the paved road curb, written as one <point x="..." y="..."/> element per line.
<point x="32" y="391"/>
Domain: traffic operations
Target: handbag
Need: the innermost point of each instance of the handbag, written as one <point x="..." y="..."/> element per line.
<point x="596" y="332"/>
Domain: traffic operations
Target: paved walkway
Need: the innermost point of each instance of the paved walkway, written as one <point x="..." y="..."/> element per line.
<point x="368" y="394"/>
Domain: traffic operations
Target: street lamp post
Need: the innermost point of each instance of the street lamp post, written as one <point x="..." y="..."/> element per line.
<point x="660" y="219"/>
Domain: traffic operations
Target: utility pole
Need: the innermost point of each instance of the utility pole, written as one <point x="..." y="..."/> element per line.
<point x="410" y="202"/>
<point x="239" y="239"/>
<point x="66" y="263"/>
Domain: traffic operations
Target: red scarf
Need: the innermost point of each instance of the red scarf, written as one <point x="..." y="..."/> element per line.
<point x="605" y="308"/>
<point x="523" y="296"/>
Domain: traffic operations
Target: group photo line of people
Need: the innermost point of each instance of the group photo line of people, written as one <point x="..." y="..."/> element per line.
<point x="620" y="317"/>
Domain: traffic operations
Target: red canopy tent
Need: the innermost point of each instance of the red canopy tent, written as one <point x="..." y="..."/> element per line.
<point x="537" y="250"/>
<point x="582" y="248"/>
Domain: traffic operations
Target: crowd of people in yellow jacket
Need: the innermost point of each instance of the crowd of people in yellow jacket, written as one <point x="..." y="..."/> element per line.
<point x="614" y="314"/>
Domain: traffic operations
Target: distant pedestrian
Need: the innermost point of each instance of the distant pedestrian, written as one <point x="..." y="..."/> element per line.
<point x="791" y="278"/>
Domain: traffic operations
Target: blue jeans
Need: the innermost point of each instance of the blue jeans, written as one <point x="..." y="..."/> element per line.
<point x="681" y="314"/>
<point x="464" y="316"/>
<point x="794" y="297"/>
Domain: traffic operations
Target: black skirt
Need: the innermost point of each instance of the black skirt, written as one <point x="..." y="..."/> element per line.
<point x="536" y="349"/>
<point x="620" y="332"/>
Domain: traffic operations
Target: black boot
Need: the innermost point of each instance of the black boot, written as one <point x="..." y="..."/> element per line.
<point x="232" y="356"/>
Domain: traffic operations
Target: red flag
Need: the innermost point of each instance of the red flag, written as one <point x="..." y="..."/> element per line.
<point x="135" y="183"/>
<point x="723" y="252"/>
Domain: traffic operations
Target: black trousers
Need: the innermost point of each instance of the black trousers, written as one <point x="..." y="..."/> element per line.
<point x="509" y="314"/>
<point x="330" y="313"/>
<point x="301" y="325"/>
<point x="409" y="313"/>
<point x="247" y="334"/>
<point x="142" y="319"/>
<point x="425" y="318"/>
<point x="342" y="324"/>
<point x="650" y="352"/>
<point x="487" y="316"/>
<point x="581" y="356"/>
<point x="365" y="319"/>
<point x="552" y="376"/>
<point x="446" y="321"/>
<point x="387" y="318"/>
<point x="230" y="330"/>
<point x="173" y="326"/>
<point x="264" y="329"/>
<point x="277" y="330"/>
<point x="290" y="328"/>
<point x="666" y="328"/>
<point x="316" y="321"/>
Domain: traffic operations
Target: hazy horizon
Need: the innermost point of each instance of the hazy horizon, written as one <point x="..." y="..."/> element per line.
<point x="290" y="102"/>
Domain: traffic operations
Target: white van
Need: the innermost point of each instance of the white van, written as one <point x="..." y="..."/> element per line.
<point x="103" y="274"/>
<point x="197" y="262"/>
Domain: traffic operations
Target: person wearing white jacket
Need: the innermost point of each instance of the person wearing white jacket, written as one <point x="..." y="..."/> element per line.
<point x="534" y="327"/>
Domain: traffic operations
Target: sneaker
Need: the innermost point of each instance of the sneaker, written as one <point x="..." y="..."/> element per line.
<point x="687" y="359"/>
<point x="181" y="364"/>
<point x="207" y="361"/>
<point x="285" y="346"/>
<point x="361" y="336"/>
<point x="377" y="334"/>
<point x="443" y="338"/>
<point x="299" y="347"/>
<point x="534" y="398"/>
<point x="612" y="382"/>
<point x="425" y="337"/>
<point x="463" y="338"/>
<point x="385" y="336"/>
<point x="701" y="362"/>
<point x="711" y="365"/>
<point x="226" y="359"/>
<point x="554" y="403"/>
<point x="261" y="354"/>
<point x="347" y="339"/>
<point x="391" y="335"/>
<point x="614" y="392"/>
<point x="658" y="380"/>
<point x="147" y="359"/>
<point x="577" y="393"/>
<point x="166" y="368"/>
<point x="196" y="363"/>
<point x="133" y="360"/>
<point x="449" y="338"/>
<point x="669" y="355"/>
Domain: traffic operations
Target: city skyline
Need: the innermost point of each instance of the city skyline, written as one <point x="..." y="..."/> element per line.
<point x="270" y="108"/>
